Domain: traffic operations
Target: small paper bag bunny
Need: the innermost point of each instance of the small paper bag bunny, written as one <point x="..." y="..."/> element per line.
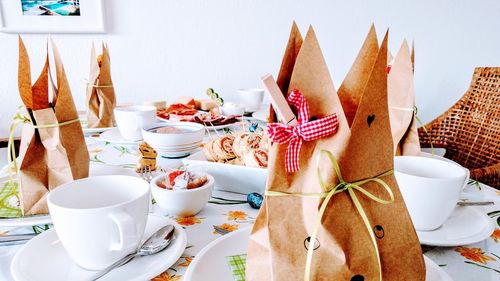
<point x="101" y="98"/>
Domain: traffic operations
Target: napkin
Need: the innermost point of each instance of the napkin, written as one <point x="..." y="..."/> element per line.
<point x="52" y="150"/>
<point x="101" y="98"/>
<point x="293" y="212"/>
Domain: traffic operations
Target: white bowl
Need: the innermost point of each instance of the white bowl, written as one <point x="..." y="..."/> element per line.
<point x="194" y="133"/>
<point x="182" y="202"/>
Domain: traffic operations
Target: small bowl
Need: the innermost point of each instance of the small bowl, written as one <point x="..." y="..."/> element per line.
<point x="193" y="133"/>
<point x="182" y="202"/>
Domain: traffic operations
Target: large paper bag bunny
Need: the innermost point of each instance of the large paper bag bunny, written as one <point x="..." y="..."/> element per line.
<point x="101" y="98"/>
<point x="53" y="149"/>
<point x="318" y="223"/>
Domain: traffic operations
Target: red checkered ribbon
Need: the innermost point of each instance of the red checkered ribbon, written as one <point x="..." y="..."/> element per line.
<point x="305" y="130"/>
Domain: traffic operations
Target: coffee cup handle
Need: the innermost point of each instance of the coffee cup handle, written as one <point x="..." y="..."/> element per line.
<point x="126" y="231"/>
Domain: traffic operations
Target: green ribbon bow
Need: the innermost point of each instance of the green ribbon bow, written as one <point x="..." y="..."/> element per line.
<point x="329" y="192"/>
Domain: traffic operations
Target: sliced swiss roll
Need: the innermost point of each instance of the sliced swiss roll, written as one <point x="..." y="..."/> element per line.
<point x="255" y="158"/>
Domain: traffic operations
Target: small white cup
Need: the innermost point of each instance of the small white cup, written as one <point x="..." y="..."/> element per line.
<point x="100" y="219"/>
<point x="430" y="187"/>
<point x="251" y="99"/>
<point x="131" y="120"/>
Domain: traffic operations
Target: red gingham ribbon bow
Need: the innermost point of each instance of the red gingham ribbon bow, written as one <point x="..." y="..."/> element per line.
<point x="305" y="130"/>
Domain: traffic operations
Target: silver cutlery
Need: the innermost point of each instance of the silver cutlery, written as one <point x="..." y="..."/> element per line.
<point x="146" y="173"/>
<point x="17" y="237"/>
<point x="474" y="203"/>
<point x="155" y="244"/>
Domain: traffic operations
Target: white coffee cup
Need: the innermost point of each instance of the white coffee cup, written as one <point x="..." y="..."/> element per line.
<point x="131" y="120"/>
<point x="430" y="187"/>
<point x="100" y="219"/>
<point x="251" y="99"/>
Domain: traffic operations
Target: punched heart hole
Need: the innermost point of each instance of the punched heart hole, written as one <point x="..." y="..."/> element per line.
<point x="370" y="119"/>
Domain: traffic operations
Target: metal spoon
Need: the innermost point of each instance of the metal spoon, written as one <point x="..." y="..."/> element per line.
<point x="473" y="203"/>
<point x="155" y="244"/>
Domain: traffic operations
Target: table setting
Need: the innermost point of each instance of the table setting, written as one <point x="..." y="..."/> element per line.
<point x="319" y="183"/>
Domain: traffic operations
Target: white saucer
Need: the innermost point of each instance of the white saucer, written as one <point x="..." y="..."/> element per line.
<point x="114" y="136"/>
<point x="44" y="259"/>
<point x="211" y="263"/>
<point x="90" y="131"/>
<point x="466" y="225"/>
<point x="95" y="170"/>
<point x="261" y="114"/>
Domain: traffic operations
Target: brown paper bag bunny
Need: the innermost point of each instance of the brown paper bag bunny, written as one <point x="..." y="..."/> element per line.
<point x="344" y="247"/>
<point x="53" y="149"/>
<point x="101" y="98"/>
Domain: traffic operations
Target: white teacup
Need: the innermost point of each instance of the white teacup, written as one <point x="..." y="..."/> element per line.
<point x="251" y="99"/>
<point x="131" y="120"/>
<point x="100" y="219"/>
<point x="430" y="187"/>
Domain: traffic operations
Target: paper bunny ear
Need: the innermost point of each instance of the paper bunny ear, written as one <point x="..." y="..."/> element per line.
<point x="351" y="90"/>
<point x="289" y="58"/>
<point x="316" y="86"/>
<point x="40" y="89"/>
<point x="287" y="64"/>
<point x="105" y="76"/>
<point x="64" y="105"/>
<point x="24" y="75"/>
<point x="369" y="151"/>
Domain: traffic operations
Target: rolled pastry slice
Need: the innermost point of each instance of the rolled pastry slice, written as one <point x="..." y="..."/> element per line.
<point x="208" y="150"/>
<point x="256" y="158"/>
<point x="248" y="142"/>
<point x="238" y="140"/>
<point x="265" y="142"/>
<point x="223" y="147"/>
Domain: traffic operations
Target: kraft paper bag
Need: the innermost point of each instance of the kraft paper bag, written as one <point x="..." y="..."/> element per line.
<point x="53" y="149"/>
<point x="402" y="101"/>
<point x="101" y="98"/>
<point x="410" y="143"/>
<point x="343" y="248"/>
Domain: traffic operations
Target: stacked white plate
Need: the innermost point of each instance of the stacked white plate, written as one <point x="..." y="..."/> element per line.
<point x="180" y="139"/>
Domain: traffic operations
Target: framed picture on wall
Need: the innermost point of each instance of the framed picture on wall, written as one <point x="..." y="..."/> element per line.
<point x="51" y="16"/>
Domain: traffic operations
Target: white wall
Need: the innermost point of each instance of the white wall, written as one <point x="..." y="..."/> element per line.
<point x="162" y="49"/>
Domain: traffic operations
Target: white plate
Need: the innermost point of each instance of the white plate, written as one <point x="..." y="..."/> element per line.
<point x="95" y="170"/>
<point x="228" y="177"/>
<point x="90" y="131"/>
<point x="43" y="258"/>
<point x="114" y="136"/>
<point x="262" y="114"/>
<point x="211" y="264"/>
<point x="466" y="225"/>
<point x="220" y="127"/>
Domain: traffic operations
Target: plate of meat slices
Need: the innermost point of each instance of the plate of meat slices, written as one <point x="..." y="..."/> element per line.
<point x="179" y="112"/>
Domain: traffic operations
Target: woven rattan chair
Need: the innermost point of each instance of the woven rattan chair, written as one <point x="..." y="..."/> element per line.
<point x="470" y="129"/>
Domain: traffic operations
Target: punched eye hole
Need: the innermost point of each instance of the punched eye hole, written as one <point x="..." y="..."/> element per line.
<point x="307" y="241"/>
<point x="358" y="277"/>
<point x="379" y="231"/>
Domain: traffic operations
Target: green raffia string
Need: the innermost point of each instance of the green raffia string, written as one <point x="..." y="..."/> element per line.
<point x="329" y="192"/>
<point x="21" y="119"/>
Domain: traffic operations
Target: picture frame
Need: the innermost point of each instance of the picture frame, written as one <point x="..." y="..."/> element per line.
<point x="51" y="16"/>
